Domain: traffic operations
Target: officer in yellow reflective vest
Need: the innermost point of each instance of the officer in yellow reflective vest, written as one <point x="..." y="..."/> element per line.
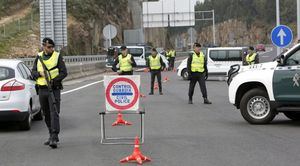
<point x="172" y="54"/>
<point x="155" y="65"/>
<point x="126" y="62"/>
<point x="252" y="57"/>
<point x="57" y="71"/>
<point x="197" y="68"/>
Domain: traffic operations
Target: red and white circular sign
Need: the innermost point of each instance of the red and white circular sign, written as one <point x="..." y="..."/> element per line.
<point x="122" y="93"/>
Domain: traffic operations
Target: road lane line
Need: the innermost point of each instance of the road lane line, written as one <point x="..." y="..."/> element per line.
<point x="82" y="87"/>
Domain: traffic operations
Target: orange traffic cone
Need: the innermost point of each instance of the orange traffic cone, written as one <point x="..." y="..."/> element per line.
<point x="120" y="121"/>
<point x="174" y="70"/>
<point x="155" y="86"/>
<point x="137" y="155"/>
<point x="166" y="79"/>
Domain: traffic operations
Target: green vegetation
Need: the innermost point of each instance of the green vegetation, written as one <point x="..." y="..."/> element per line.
<point x="7" y="7"/>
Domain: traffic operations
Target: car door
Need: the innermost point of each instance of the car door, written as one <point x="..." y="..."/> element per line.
<point x="286" y="79"/>
<point x="216" y="61"/>
<point x="31" y="86"/>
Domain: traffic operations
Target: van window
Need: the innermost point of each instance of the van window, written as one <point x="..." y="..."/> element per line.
<point x="218" y="55"/>
<point x="234" y="55"/>
<point x="136" y="52"/>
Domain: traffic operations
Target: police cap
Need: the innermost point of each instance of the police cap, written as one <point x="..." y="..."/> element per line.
<point x="197" y="45"/>
<point x="48" y="40"/>
<point x="123" y="47"/>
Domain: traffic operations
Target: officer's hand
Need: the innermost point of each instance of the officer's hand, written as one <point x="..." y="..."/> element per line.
<point x="42" y="74"/>
<point x="206" y="76"/>
<point x="113" y="69"/>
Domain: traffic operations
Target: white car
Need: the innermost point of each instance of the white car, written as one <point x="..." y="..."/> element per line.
<point x="19" y="101"/>
<point x="219" y="60"/>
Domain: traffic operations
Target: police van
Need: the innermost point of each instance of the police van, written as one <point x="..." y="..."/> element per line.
<point x="140" y="54"/>
<point x="261" y="91"/>
<point x="219" y="60"/>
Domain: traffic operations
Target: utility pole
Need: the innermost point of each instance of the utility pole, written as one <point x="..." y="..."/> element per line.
<point x="298" y="20"/>
<point x="277" y="21"/>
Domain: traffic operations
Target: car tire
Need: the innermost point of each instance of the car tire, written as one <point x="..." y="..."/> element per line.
<point x="38" y="116"/>
<point x="256" y="108"/>
<point x="26" y="123"/>
<point x="185" y="74"/>
<point x="292" y="115"/>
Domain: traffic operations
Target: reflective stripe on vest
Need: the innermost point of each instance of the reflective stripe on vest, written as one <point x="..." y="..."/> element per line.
<point x="50" y="64"/>
<point x="125" y="63"/>
<point x="250" y="59"/>
<point x="198" y="63"/>
<point x="154" y="62"/>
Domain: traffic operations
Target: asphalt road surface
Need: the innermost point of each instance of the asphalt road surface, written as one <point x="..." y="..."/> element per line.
<point x="177" y="134"/>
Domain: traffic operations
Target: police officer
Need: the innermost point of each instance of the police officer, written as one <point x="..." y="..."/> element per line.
<point x="57" y="71"/>
<point x="168" y="56"/>
<point x="252" y="57"/>
<point x="197" y="68"/>
<point x="126" y="62"/>
<point x="155" y="65"/>
<point x="172" y="54"/>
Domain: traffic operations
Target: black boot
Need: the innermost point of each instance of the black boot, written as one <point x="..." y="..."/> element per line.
<point x="206" y="101"/>
<point x="47" y="142"/>
<point x="190" y="100"/>
<point x="53" y="141"/>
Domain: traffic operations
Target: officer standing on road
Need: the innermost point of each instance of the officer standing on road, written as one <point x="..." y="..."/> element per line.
<point x="172" y="53"/>
<point x="155" y="65"/>
<point x="252" y="57"/>
<point x="57" y="71"/>
<point x="126" y="62"/>
<point x="197" y="68"/>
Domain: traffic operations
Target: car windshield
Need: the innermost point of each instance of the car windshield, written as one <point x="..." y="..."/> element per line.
<point x="6" y="73"/>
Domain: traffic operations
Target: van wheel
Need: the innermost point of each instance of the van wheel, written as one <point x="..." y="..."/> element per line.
<point x="39" y="115"/>
<point x="26" y="123"/>
<point x="292" y="115"/>
<point x="185" y="74"/>
<point x="256" y="108"/>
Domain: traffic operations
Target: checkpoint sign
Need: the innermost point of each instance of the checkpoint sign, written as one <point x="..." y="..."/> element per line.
<point x="122" y="92"/>
<point x="281" y="36"/>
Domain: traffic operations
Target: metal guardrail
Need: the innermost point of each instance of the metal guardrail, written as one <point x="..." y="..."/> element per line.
<point x="71" y="59"/>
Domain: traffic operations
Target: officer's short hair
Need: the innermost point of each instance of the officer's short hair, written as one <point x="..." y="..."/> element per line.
<point x="123" y="48"/>
<point x="251" y="48"/>
<point x="197" y="45"/>
<point x="48" y="40"/>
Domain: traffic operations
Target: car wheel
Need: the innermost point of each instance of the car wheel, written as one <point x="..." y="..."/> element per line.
<point x="185" y="74"/>
<point x="292" y="115"/>
<point x="26" y="123"/>
<point x="256" y="108"/>
<point x="39" y="115"/>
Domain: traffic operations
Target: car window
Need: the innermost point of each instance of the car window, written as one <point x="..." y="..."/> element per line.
<point x="235" y="55"/>
<point x="293" y="59"/>
<point x="218" y="55"/>
<point x="22" y="71"/>
<point x="6" y="73"/>
<point x="26" y="69"/>
<point x="136" y="52"/>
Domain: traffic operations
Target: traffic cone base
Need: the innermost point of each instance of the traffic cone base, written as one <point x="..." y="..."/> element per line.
<point x="142" y="95"/>
<point x="137" y="155"/>
<point x="155" y="86"/>
<point x="166" y="79"/>
<point x="120" y="121"/>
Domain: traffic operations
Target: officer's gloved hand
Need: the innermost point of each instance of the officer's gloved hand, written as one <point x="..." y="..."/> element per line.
<point x="114" y="69"/>
<point x="206" y="75"/>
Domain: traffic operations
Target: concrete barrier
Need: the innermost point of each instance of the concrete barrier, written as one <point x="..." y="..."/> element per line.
<point x="84" y="69"/>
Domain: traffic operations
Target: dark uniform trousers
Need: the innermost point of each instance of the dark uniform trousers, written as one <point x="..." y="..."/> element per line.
<point x="51" y="116"/>
<point x="156" y="73"/>
<point x="126" y="73"/>
<point x="172" y="62"/>
<point x="197" y="77"/>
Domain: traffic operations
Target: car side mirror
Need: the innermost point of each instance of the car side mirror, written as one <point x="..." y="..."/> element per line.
<point x="280" y="60"/>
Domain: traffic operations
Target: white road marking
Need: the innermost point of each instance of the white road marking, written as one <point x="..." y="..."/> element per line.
<point x="82" y="87"/>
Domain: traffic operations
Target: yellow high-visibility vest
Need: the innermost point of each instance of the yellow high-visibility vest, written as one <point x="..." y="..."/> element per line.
<point x="198" y="63"/>
<point x="173" y="53"/>
<point x="51" y="65"/>
<point x="154" y="62"/>
<point x="251" y="59"/>
<point x="125" y="63"/>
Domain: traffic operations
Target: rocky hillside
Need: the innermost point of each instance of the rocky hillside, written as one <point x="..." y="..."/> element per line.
<point x="86" y="19"/>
